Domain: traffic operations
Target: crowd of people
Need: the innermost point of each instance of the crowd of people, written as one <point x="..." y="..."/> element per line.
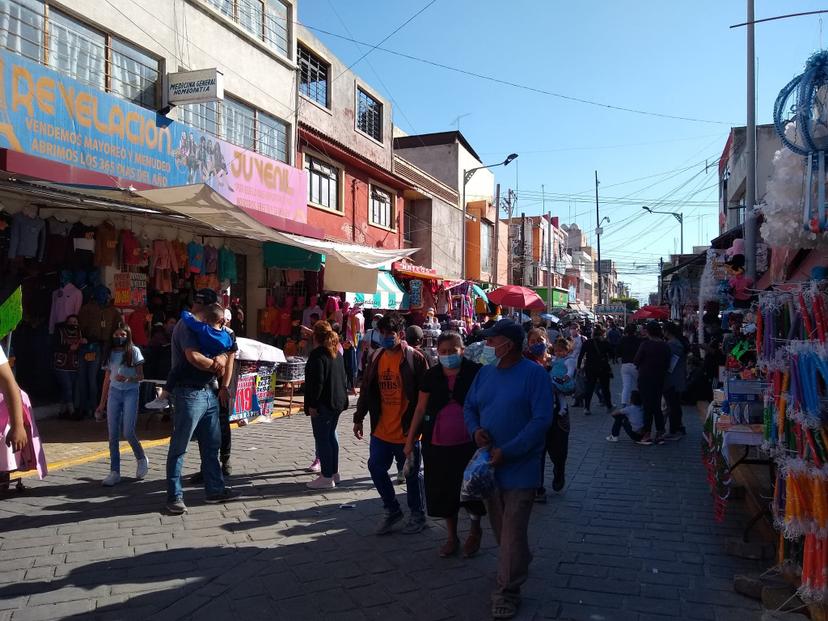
<point x="516" y="400"/>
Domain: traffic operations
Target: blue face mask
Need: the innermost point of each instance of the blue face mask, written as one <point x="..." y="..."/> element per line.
<point x="388" y="342"/>
<point x="452" y="361"/>
<point x="490" y="355"/>
<point x="538" y="349"/>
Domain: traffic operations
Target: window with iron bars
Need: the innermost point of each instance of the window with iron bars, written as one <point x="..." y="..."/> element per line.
<point x="369" y="115"/>
<point x="313" y="76"/>
<point x="323" y="183"/>
<point x="240" y="124"/>
<point x="381" y="208"/>
<point x="266" y="20"/>
<point x="38" y="31"/>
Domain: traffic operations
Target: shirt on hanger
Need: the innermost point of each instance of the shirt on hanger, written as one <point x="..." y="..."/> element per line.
<point x="106" y="244"/>
<point x="131" y="251"/>
<point x="195" y="257"/>
<point x="58" y="245"/>
<point x="65" y="301"/>
<point x="83" y="246"/>
<point x="210" y="259"/>
<point x="227" y="265"/>
<point x="28" y="237"/>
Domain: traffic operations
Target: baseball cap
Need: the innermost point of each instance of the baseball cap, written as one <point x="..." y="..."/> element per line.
<point x="413" y="333"/>
<point x="205" y="296"/>
<point x="507" y="328"/>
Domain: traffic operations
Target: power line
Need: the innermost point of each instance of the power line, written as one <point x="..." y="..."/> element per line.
<point x="518" y="85"/>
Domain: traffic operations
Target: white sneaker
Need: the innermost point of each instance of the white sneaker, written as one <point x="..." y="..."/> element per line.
<point x="336" y="478"/>
<point x="113" y="479"/>
<point x="611" y="438"/>
<point x="321" y="482"/>
<point x="159" y="403"/>
<point x="143" y="468"/>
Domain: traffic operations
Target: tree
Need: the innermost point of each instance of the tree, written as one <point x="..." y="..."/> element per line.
<point x="631" y="303"/>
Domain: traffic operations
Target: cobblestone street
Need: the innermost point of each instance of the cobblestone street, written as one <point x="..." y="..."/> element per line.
<point x="632" y="537"/>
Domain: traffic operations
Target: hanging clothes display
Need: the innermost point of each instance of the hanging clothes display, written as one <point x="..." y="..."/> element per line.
<point x="58" y="251"/>
<point x="65" y="301"/>
<point x="106" y="244"/>
<point x="227" y="265"/>
<point x="195" y="257"/>
<point x="28" y="237"/>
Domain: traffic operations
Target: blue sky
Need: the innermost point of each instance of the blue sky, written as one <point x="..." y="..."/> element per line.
<point x="675" y="58"/>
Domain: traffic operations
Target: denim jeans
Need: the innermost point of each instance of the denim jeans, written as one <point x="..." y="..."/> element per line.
<point x="674" y="413"/>
<point x="381" y="455"/>
<point x="593" y="382"/>
<point x="327" y="444"/>
<point x="651" y="392"/>
<point x="86" y="396"/>
<point x="622" y="421"/>
<point x="121" y="416"/>
<point x="196" y="414"/>
<point x="350" y="367"/>
<point x="67" y="381"/>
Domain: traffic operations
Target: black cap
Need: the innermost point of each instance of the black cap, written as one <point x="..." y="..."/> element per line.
<point x="413" y="333"/>
<point x="507" y="328"/>
<point x="205" y="296"/>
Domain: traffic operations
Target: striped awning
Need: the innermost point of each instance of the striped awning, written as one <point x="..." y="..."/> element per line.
<point x="388" y="295"/>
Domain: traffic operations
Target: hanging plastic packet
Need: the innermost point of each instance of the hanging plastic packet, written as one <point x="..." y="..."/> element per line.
<point x="478" y="478"/>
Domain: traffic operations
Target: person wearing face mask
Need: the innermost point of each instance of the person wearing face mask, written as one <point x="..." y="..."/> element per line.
<point x="371" y="341"/>
<point x="67" y="343"/>
<point x="390" y="391"/>
<point x="537" y="347"/>
<point x="124" y="370"/>
<point x="577" y="339"/>
<point x="509" y="409"/>
<point x="447" y="445"/>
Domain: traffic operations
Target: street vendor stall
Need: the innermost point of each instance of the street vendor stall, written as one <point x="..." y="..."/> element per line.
<point x="253" y="385"/>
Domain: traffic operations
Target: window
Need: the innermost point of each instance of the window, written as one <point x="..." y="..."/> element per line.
<point x="313" y="77"/>
<point x="381" y="208"/>
<point x="266" y="20"/>
<point x="78" y="51"/>
<point x="271" y="137"/>
<point x="369" y="115"/>
<point x="323" y="183"/>
<point x="486" y="243"/>
<point x="240" y="124"/>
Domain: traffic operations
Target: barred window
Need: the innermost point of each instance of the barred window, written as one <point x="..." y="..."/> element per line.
<point x="240" y="124"/>
<point x="369" y="115"/>
<point x="313" y="80"/>
<point x="323" y="183"/>
<point x="381" y="208"/>
<point x="266" y="20"/>
<point x="79" y="51"/>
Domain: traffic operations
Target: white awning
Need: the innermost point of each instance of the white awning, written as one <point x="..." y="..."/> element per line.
<point x="363" y="256"/>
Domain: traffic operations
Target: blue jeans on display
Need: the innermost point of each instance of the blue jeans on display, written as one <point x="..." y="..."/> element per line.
<point x="327" y="444"/>
<point x="381" y="455"/>
<point x="196" y="414"/>
<point x="121" y="416"/>
<point x="67" y="380"/>
<point x="86" y="396"/>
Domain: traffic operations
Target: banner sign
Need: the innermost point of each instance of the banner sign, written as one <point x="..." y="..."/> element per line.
<point x="246" y="402"/>
<point x="200" y="86"/>
<point x="11" y="312"/>
<point x="48" y="115"/>
<point x="610" y="309"/>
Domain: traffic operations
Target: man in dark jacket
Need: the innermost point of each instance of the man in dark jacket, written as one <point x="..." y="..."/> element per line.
<point x="390" y="389"/>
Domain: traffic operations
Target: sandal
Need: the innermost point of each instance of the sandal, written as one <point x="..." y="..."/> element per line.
<point x="504" y="609"/>
<point x="472" y="545"/>
<point x="449" y="548"/>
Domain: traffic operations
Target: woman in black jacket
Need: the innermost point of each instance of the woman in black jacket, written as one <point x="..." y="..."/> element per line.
<point x="326" y="397"/>
<point x="447" y="446"/>
<point x="594" y="360"/>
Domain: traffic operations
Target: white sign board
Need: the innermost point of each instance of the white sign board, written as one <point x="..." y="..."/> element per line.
<point x="610" y="309"/>
<point x="186" y="87"/>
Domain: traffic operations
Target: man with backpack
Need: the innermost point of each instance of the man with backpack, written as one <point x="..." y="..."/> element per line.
<point x="390" y="390"/>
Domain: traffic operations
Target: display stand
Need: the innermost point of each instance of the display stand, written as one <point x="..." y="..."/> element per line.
<point x="252" y="387"/>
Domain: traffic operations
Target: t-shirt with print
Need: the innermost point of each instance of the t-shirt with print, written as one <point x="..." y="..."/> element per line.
<point x="116" y="366"/>
<point x="635" y="415"/>
<point x="392" y="394"/>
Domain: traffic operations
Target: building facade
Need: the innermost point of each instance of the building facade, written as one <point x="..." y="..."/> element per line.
<point x="346" y="148"/>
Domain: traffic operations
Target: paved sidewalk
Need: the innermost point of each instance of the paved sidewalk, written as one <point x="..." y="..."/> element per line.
<point x="632" y="537"/>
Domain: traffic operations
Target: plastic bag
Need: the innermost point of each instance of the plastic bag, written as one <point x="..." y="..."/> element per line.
<point x="478" y="478"/>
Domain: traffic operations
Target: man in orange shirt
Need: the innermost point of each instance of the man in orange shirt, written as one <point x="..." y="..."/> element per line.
<point x="390" y="389"/>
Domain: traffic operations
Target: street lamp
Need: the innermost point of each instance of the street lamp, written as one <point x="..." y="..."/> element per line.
<point x="677" y="216"/>
<point x="467" y="175"/>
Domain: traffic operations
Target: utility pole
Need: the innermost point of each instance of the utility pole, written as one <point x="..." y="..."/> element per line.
<point x="549" y="262"/>
<point x="496" y="233"/>
<point x="509" y="244"/>
<point x="598" y="236"/>
<point x="750" y="150"/>
<point x="523" y="249"/>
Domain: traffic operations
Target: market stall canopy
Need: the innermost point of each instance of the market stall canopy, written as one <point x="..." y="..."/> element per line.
<point x="254" y="351"/>
<point x="661" y="313"/>
<point x="388" y="295"/>
<point x="514" y="296"/>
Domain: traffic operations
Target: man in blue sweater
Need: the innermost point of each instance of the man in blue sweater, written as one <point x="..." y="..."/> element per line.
<point x="509" y="409"/>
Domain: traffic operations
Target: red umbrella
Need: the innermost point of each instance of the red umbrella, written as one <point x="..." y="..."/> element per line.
<point x="514" y="296"/>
